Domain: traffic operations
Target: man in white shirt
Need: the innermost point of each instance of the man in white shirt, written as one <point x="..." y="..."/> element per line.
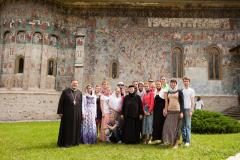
<point x="189" y="95"/>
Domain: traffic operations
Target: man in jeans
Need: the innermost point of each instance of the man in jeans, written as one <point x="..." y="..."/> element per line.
<point x="189" y="95"/>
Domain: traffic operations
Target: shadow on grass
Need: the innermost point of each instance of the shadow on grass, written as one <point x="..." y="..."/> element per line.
<point x="144" y="146"/>
<point x="128" y="146"/>
<point x="53" y="145"/>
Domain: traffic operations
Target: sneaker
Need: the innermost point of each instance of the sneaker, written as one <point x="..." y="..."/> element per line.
<point x="175" y="147"/>
<point x="187" y="144"/>
<point x="119" y="142"/>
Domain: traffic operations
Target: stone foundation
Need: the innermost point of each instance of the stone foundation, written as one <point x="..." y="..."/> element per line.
<point x="20" y="105"/>
<point x="219" y="103"/>
<point x="28" y="106"/>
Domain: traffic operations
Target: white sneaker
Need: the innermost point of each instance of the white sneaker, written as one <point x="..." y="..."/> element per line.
<point x="187" y="144"/>
<point x="175" y="147"/>
<point x="119" y="142"/>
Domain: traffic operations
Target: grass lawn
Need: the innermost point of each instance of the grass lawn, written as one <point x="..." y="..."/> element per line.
<point x="37" y="141"/>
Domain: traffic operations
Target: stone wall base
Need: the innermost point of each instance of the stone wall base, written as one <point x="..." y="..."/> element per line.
<point x="219" y="103"/>
<point x="28" y="106"/>
<point x="21" y="106"/>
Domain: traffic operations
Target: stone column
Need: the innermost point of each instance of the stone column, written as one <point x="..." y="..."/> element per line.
<point x="27" y="66"/>
<point x="79" y="56"/>
<point x="43" y="71"/>
<point x="1" y="63"/>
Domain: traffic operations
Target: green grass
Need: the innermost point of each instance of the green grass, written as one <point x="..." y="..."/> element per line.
<point x="37" y="141"/>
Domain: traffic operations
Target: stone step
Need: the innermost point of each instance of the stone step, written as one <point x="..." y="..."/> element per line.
<point x="232" y="115"/>
<point x="233" y="112"/>
<point x="235" y="117"/>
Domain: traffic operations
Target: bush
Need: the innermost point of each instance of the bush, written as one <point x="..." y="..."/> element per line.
<point x="212" y="122"/>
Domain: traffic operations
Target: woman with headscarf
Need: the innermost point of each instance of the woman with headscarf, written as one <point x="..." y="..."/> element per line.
<point x="115" y="103"/>
<point x="89" y="111"/>
<point x="174" y="107"/>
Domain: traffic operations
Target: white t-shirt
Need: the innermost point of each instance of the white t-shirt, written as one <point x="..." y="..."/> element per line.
<point x="106" y="109"/>
<point x="199" y="104"/>
<point x="188" y="94"/>
<point x="115" y="102"/>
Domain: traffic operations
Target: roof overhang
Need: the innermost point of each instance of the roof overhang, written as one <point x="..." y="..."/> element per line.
<point x="151" y="3"/>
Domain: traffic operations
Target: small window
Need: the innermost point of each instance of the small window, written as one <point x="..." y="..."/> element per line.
<point x="214" y="68"/>
<point x="51" y="67"/>
<point x="177" y="62"/>
<point x="114" y="71"/>
<point x="19" y="66"/>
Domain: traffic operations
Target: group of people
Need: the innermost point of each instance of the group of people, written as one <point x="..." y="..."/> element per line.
<point x="149" y="111"/>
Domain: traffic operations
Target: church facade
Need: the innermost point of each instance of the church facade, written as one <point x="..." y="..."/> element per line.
<point x="43" y="45"/>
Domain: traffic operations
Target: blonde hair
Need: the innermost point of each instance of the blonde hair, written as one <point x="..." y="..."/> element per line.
<point x="97" y="86"/>
<point x="105" y="81"/>
<point x="146" y="83"/>
<point x="88" y="85"/>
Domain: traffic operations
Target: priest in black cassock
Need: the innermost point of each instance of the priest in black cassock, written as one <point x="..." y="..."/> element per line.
<point x="132" y="113"/>
<point x="70" y="111"/>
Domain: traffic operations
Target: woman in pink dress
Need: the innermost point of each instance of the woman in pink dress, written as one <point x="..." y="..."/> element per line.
<point x="105" y="112"/>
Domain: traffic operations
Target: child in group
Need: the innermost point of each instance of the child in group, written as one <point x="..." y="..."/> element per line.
<point x="113" y="132"/>
<point x="199" y="103"/>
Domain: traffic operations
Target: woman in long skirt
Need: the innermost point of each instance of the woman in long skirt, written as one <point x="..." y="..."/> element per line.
<point x="89" y="111"/>
<point x="174" y="114"/>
